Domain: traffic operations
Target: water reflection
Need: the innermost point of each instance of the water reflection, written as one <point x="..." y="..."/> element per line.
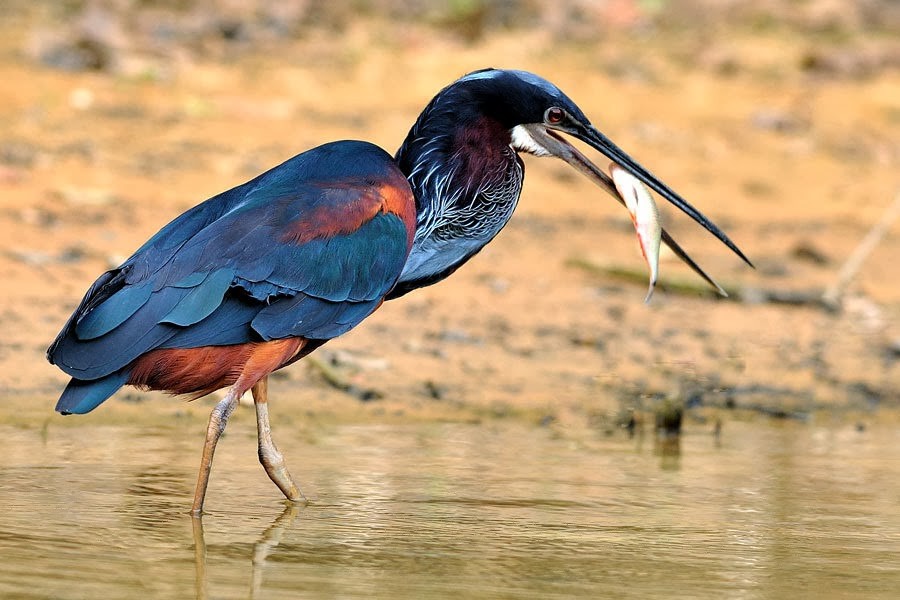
<point x="201" y="582"/>
<point x="437" y="510"/>
<point x="270" y="539"/>
<point x="668" y="448"/>
<point x="267" y="544"/>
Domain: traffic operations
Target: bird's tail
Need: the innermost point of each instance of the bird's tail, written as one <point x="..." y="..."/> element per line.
<point x="82" y="396"/>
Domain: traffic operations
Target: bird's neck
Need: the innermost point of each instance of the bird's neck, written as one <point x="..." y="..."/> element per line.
<point x="466" y="179"/>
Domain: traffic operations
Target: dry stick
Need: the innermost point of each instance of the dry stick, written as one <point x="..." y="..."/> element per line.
<point x="691" y="287"/>
<point x="639" y="275"/>
<point x="832" y="296"/>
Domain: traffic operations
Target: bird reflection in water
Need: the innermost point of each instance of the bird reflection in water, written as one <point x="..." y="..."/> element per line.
<point x="266" y="544"/>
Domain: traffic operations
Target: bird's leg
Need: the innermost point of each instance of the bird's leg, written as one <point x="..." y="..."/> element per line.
<point x="218" y="418"/>
<point x="269" y="456"/>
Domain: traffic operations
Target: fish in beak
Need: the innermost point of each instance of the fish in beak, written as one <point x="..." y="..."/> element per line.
<point x="644" y="217"/>
<point x="542" y="139"/>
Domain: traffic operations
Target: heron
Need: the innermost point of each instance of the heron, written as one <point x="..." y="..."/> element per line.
<point x="257" y="277"/>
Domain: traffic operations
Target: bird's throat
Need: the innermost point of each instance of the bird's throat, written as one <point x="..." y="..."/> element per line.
<point x="466" y="180"/>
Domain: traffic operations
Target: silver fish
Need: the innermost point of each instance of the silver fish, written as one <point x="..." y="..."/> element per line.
<point x="578" y="160"/>
<point x="644" y="216"/>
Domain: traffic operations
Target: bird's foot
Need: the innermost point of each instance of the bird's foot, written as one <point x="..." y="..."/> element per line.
<point x="273" y="462"/>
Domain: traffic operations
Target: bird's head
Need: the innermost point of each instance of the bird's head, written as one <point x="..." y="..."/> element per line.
<point x="536" y="113"/>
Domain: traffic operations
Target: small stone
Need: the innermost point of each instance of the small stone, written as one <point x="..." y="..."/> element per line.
<point x="808" y="252"/>
<point x="779" y="121"/>
<point x="81" y="98"/>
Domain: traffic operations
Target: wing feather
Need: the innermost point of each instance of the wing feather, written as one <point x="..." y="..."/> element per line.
<point x="308" y="249"/>
<point x="201" y="300"/>
<point x="113" y="311"/>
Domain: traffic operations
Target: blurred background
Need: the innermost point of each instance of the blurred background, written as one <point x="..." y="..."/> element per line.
<point x="780" y="120"/>
<point x="513" y="431"/>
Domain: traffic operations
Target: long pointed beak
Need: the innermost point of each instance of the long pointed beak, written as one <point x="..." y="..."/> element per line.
<point x="547" y="142"/>
<point x="603" y="144"/>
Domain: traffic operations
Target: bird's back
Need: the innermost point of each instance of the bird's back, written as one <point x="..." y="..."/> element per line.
<point x="304" y="251"/>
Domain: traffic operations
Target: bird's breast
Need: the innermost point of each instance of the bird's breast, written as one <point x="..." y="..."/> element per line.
<point x="479" y="206"/>
<point x="461" y="216"/>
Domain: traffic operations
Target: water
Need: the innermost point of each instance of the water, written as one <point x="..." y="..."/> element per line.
<point x="452" y="510"/>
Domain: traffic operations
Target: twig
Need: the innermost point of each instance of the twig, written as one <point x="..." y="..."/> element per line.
<point x="832" y="296"/>
<point x="683" y="286"/>
<point x="690" y="287"/>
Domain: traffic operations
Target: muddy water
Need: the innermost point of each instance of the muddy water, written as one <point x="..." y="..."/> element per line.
<point x="454" y="510"/>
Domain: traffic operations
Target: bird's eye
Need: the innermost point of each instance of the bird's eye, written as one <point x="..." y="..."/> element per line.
<point x="554" y="115"/>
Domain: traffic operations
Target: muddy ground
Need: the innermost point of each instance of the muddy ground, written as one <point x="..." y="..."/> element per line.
<point x="785" y="132"/>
